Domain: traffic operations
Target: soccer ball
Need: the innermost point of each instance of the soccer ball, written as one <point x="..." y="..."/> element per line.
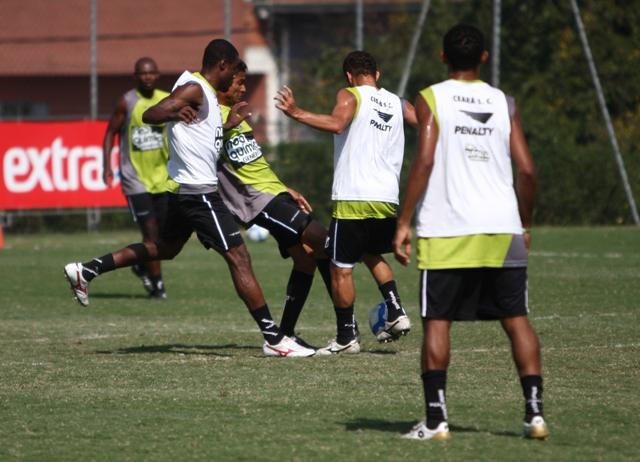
<point x="377" y="318"/>
<point x="257" y="233"/>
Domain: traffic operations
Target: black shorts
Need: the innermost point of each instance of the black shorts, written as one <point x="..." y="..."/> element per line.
<point x="145" y="206"/>
<point x="205" y="214"/>
<point x="285" y="221"/>
<point x="473" y="293"/>
<point x="349" y="240"/>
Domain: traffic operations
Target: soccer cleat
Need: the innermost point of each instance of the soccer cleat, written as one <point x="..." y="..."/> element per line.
<point x="79" y="285"/>
<point x="537" y="429"/>
<point x="301" y="341"/>
<point x="287" y="348"/>
<point x="158" y="292"/>
<point x="335" y="348"/>
<point x="141" y="273"/>
<point x="421" y="432"/>
<point x="393" y="330"/>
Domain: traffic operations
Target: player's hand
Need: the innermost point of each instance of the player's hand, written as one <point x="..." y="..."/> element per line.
<point x="402" y="244"/>
<point x="285" y="101"/>
<point x="301" y="200"/>
<point x="107" y="175"/>
<point x="187" y="114"/>
<point x="239" y="112"/>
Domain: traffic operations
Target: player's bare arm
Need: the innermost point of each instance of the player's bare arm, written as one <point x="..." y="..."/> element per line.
<point x="409" y="113"/>
<point x="115" y="125"/>
<point x="181" y="105"/>
<point x="526" y="175"/>
<point x="418" y="178"/>
<point x="336" y="122"/>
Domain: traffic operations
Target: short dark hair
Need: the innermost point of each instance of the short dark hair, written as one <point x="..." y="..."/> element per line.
<point x="241" y="66"/>
<point x="463" y="46"/>
<point x="359" y="63"/>
<point x="142" y="61"/>
<point x="218" y="50"/>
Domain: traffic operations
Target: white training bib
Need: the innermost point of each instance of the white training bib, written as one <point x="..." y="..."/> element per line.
<point x="470" y="190"/>
<point x="367" y="156"/>
<point x="194" y="148"/>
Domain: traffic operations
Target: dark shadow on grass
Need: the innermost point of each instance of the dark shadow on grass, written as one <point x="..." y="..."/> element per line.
<point x="179" y="348"/>
<point x="403" y="426"/>
<point x="381" y="352"/>
<point x="112" y="295"/>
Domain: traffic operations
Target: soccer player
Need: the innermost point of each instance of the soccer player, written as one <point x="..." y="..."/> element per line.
<point x="367" y="123"/>
<point x="195" y="139"/>
<point x="143" y="164"/>
<point x="473" y="228"/>
<point x="255" y="195"/>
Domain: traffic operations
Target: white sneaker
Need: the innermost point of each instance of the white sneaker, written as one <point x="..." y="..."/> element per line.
<point x="536" y="430"/>
<point x="393" y="330"/>
<point x="79" y="285"/>
<point x="421" y="432"/>
<point x="335" y="348"/>
<point x="287" y="348"/>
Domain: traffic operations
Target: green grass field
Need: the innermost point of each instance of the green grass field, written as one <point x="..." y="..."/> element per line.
<point x="133" y="379"/>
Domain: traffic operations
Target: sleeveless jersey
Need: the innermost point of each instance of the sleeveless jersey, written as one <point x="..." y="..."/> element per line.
<point x="247" y="182"/>
<point x="368" y="155"/>
<point x="143" y="147"/>
<point x="470" y="189"/>
<point x="194" y="148"/>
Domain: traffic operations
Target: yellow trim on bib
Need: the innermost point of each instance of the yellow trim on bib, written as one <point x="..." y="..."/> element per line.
<point x="430" y="99"/>
<point x="361" y="210"/>
<point x="472" y="251"/>
<point x="354" y="91"/>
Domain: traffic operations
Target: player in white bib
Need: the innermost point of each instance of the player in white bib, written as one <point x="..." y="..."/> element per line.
<point x="195" y="139"/>
<point x="473" y="229"/>
<point x="368" y="127"/>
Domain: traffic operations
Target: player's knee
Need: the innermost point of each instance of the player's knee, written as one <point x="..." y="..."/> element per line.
<point x="238" y="257"/>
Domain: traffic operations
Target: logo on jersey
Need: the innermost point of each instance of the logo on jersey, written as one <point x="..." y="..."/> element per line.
<point x="146" y="138"/>
<point x="242" y="149"/>
<point x="475" y="154"/>
<point x="482" y="117"/>
<point x="384" y="116"/>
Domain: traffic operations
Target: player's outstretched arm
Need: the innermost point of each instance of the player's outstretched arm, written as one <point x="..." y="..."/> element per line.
<point x="181" y="105"/>
<point x="238" y="113"/>
<point x="526" y="175"/>
<point x="336" y="122"/>
<point x="409" y="113"/>
<point x="115" y="125"/>
<point x="418" y="179"/>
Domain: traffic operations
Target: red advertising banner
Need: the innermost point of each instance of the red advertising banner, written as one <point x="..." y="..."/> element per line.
<point x="47" y="165"/>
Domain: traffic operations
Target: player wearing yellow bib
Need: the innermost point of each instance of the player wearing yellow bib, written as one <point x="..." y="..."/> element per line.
<point x="143" y="164"/>
<point x="367" y="123"/>
<point x="255" y="195"/>
<point x="472" y="227"/>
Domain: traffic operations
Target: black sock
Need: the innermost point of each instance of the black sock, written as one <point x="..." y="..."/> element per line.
<point x="532" y="390"/>
<point x="158" y="283"/>
<point x="325" y="272"/>
<point x="267" y="326"/>
<point x="434" y="383"/>
<point x="347" y="328"/>
<point x="392" y="299"/>
<point x="297" y="292"/>
<point x="98" y="266"/>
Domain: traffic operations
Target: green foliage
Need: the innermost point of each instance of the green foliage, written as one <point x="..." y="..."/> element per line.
<point x="543" y="66"/>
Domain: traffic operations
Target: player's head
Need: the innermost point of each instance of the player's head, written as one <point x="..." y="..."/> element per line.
<point x="359" y="64"/>
<point x="220" y="58"/>
<point x="463" y="48"/>
<point x="237" y="90"/>
<point x="145" y="71"/>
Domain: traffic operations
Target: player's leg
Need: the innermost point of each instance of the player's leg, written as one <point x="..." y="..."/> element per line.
<point x="171" y="241"/>
<point x="314" y="238"/>
<point x="151" y="232"/>
<point x="510" y="286"/>
<point x="345" y="249"/>
<point x="142" y="210"/>
<point x="217" y="229"/>
<point x="434" y="310"/>
<point x="397" y="323"/>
